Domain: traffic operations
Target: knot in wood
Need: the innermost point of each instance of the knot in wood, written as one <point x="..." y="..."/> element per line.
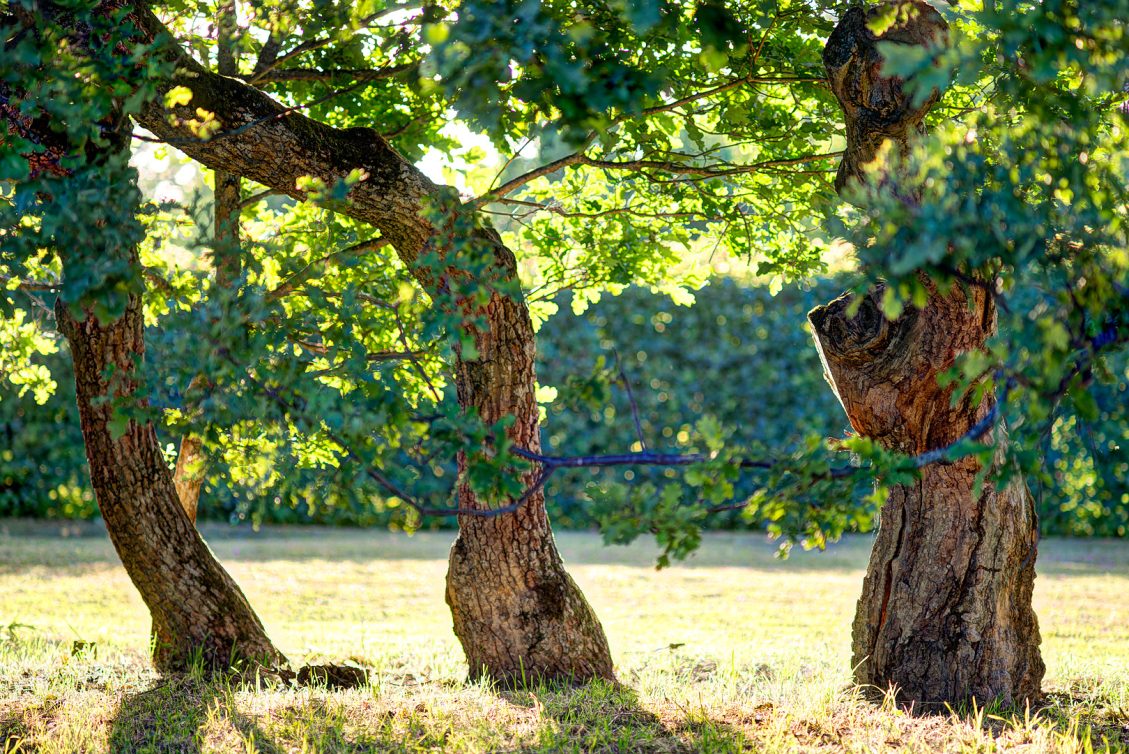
<point x="885" y="371"/>
<point x="876" y="106"/>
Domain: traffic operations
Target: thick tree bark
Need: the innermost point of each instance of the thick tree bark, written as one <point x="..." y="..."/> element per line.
<point x="199" y="613"/>
<point x="516" y="611"/>
<point x="200" y="616"/>
<point x="945" y="614"/>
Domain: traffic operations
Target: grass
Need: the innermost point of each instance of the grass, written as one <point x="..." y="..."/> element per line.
<point x="732" y="651"/>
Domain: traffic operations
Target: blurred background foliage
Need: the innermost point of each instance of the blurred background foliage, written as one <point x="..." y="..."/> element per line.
<point x="736" y="354"/>
<point x="681" y="134"/>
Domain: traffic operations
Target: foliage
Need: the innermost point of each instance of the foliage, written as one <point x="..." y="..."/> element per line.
<point x="628" y="137"/>
<point x="1024" y="192"/>
<point x="734" y="355"/>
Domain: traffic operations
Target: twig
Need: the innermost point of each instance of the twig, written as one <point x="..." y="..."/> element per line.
<point x="631" y="400"/>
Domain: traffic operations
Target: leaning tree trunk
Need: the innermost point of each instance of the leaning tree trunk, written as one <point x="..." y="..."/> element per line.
<point x="945" y="614"/>
<point x="199" y="614"/>
<point x="517" y="612"/>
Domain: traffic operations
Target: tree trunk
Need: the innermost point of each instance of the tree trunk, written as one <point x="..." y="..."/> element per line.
<point x="517" y="612"/>
<point x="199" y="614"/>
<point x="189" y="473"/>
<point x="188" y="476"/>
<point x="226" y="259"/>
<point x="200" y="617"/>
<point x="945" y="614"/>
<point x="515" y="609"/>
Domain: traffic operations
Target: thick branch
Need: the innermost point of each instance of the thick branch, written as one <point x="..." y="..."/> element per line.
<point x="264" y="142"/>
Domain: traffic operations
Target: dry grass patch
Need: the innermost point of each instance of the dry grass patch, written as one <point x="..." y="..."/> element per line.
<point x="735" y="651"/>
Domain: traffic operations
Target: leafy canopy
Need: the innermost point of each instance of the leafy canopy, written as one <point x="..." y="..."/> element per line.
<point x="611" y="143"/>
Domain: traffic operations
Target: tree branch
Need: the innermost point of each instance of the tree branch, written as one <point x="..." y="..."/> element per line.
<point x="675" y="168"/>
<point x="277" y="146"/>
<point x="288" y="286"/>
<point x="264" y="67"/>
<point x="316" y="74"/>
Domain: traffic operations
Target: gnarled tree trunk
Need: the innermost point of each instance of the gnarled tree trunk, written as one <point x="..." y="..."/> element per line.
<point x="516" y="611"/>
<point x="945" y="614"/>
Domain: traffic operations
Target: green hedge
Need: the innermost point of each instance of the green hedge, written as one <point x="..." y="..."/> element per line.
<point x="738" y="353"/>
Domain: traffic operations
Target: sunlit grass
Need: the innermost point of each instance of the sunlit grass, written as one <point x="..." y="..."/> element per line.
<point x="732" y="651"/>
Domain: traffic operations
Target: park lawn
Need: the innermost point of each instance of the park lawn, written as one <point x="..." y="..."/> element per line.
<point x="731" y="651"/>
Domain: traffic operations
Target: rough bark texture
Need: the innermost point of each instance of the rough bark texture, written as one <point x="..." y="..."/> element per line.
<point x="876" y="107"/>
<point x="945" y="614"/>
<point x="200" y="617"/>
<point x="199" y="613"/>
<point x="516" y="611"/>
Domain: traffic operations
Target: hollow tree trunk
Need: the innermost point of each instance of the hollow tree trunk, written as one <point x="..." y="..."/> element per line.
<point x="517" y="612"/>
<point x="945" y="614"/>
<point x="515" y="609"/>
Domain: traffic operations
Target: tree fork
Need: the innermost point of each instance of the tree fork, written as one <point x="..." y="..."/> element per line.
<point x="945" y="615"/>
<point x="516" y="611"/>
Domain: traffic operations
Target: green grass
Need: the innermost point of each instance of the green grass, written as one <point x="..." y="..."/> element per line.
<point x="732" y="651"/>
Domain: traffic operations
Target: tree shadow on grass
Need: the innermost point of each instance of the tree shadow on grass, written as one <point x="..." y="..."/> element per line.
<point x="170" y="718"/>
<point x="608" y="717"/>
<point x="1083" y="721"/>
